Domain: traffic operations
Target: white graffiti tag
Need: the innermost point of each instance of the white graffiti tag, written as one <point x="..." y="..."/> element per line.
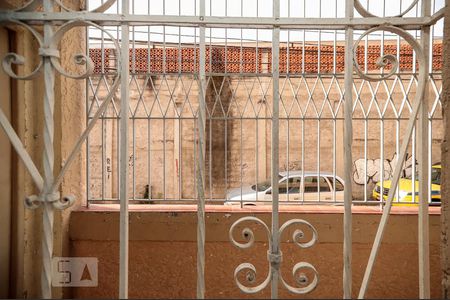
<point x="374" y="169"/>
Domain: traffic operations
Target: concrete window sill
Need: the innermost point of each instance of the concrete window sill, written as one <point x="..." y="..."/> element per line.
<point x="314" y="209"/>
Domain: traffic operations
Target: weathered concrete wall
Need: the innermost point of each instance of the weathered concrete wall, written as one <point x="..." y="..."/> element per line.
<point x="238" y="133"/>
<point x="163" y="253"/>
<point x="445" y="188"/>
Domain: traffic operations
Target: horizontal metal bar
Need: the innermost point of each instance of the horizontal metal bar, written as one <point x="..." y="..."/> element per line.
<point x="228" y="22"/>
<point x="266" y="118"/>
<point x="240" y="75"/>
<point x="221" y="200"/>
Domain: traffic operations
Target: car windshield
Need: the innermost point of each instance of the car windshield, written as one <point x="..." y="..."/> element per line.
<point x="435" y="176"/>
<point x="263" y="185"/>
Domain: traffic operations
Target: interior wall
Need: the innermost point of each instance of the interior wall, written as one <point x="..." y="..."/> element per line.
<point x="5" y="176"/>
<point x="27" y="115"/>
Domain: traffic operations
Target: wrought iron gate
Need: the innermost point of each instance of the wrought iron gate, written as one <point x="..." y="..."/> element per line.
<point x="57" y="19"/>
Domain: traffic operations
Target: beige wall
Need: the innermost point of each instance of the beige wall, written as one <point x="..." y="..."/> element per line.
<point x="163" y="253"/>
<point x="244" y="144"/>
<point x="5" y="177"/>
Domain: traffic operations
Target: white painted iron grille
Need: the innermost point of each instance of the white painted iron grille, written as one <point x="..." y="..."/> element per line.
<point x="164" y="93"/>
<point x="224" y="94"/>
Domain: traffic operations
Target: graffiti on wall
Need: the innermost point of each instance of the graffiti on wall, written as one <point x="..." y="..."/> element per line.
<point x="374" y="168"/>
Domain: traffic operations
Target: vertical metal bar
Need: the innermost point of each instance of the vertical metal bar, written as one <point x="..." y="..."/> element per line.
<point x="366" y="136"/>
<point x="318" y="157"/>
<point x="164" y="151"/>
<point x="48" y="162"/>
<point x="200" y="167"/>
<point x="319" y="42"/>
<point x="275" y="247"/>
<point x="180" y="157"/>
<point x="397" y="150"/>
<point x="302" y="187"/>
<point x="288" y="134"/>
<point x="424" y="168"/>
<point x="210" y="155"/>
<point x="133" y="151"/>
<point x="334" y="159"/>
<point x="149" y="78"/>
<point x="381" y="160"/>
<point x="366" y="45"/>
<point x="256" y="153"/>
<point x="413" y="161"/>
<point x="430" y="153"/>
<point x="226" y="150"/>
<point x="133" y="114"/>
<point x="194" y="176"/>
<point x="241" y="69"/>
<point x="348" y="137"/>
<point x="103" y="139"/>
<point x="123" y="154"/>
<point x="226" y="43"/>
<point x="149" y="157"/>
<point x="88" y="157"/>
<point x="241" y="174"/>
<point x="303" y="44"/>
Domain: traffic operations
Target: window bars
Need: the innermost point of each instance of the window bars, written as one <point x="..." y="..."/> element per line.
<point x="164" y="99"/>
<point x="209" y="93"/>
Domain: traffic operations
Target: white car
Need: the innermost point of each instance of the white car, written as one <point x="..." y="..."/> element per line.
<point x="291" y="189"/>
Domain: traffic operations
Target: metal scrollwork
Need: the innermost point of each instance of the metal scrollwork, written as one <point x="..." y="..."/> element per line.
<point x="49" y="197"/>
<point x="299" y="270"/>
<point x="384" y="60"/>
<point x="366" y="14"/>
<point x="52" y="53"/>
<point x="58" y="202"/>
<point x="415" y="106"/>
<point x="249" y="237"/>
<point x="247" y="233"/>
<point x="80" y="58"/>
<point x="298" y="236"/>
<point x="32" y="5"/>
<point x="15" y="59"/>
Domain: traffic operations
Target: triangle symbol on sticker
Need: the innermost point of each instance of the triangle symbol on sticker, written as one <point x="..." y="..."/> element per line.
<point x="86" y="274"/>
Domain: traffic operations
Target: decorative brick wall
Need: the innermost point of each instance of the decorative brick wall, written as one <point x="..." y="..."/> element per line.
<point x="255" y="60"/>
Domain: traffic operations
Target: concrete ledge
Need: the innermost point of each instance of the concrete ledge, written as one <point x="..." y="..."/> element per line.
<point x="163" y="250"/>
<point x="320" y="209"/>
<point x="178" y="222"/>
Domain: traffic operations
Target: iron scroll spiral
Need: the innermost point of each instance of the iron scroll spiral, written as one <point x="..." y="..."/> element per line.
<point x="298" y="271"/>
<point x="249" y="237"/>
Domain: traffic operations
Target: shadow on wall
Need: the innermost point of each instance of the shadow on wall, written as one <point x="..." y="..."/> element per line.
<point x="218" y="130"/>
